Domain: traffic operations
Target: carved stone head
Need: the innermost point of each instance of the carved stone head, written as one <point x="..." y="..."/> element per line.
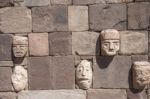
<point x="110" y="42"/>
<point x="84" y="74"/>
<point x="141" y="74"/>
<point x="20" y="46"/>
<point x="19" y="78"/>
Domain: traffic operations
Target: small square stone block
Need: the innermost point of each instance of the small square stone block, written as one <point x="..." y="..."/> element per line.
<point x="60" y="43"/>
<point x="78" y="18"/>
<point x="85" y="43"/>
<point x="102" y="16"/>
<point x="15" y="20"/>
<point x="5" y="79"/>
<point x="112" y="72"/>
<point x="39" y="73"/>
<point x="8" y="95"/>
<point x="63" y="72"/>
<point x="134" y="42"/>
<point x="106" y="94"/>
<point x="50" y="18"/>
<point x="138" y="15"/>
<point x="64" y="2"/>
<point x="38" y="44"/>
<point x="5" y="47"/>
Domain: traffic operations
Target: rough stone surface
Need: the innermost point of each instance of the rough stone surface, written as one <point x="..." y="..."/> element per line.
<point x="6" y="3"/>
<point x="78" y="18"/>
<point x="15" y="20"/>
<point x="112" y="72"/>
<point x="61" y="2"/>
<point x="102" y="16"/>
<point x="63" y="72"/>
<point x="135" y="94"/>
<point x="7" y="95"/>
<point x="138" y="15"/>
<point x="106" y="94"/>
<point x="21" y="61"/>
<point x="5" y="79"/>
<point x="39" y="73"/>
<point x="50" y="18"/>
<point x="85" y="2"/>
<point x="5" y="47"/>
<point x="85" y="43"/>
<point x="134" y="42"/>
<point x="60" y="43"/>
<point x="139" y="58"/>
<point x="6" y="63"/>
<point x="141" y="74"/>
<point x="38" y="44"/>
<point x="32" y="3"/>
<point x="53" y="94"/>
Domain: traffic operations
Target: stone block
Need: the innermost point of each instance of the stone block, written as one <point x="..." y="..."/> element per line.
<point x="15" y="20"/>
<point x="112" y="72"/>
<point x="135" y="94"/>
<point x="65" y="2"/>
<point x="133" y="42"/>
<point x="138" y="15"/>
<point x="60" y="43"/>
<point x="53" y="94"/>
<point x="8" y="95"/>
<point x="106" y="94"/>
<point x="39" y="73"/>
<point x="5" y="47"/>
<point x="31" y="3"/>
<point x="85" y="43"/>
<point x="139" y="58"/>
<point x="78" y="18"/>
<point x="5" y="3"/>
<point x="85" y="2"/>
<point x="63" y="72"/>
<point x="6" y="63"/>
<point x="5" y="79"/>
<point x="38" y="44"/>
<point x="102" y="16"/>
<point x="21" y="61"/>
<point x="50" y="18"/>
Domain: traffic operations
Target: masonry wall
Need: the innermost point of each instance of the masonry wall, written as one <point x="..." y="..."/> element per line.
<point x="60" y="34"/>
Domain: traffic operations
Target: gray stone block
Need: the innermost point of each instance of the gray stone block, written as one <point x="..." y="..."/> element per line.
<point x="5" y="47"/>
<point x="50" y="18"/>
<point x="8" y="95"/>
<point x="112" y="72"/>
<point x="53" y="94"/>
<point x="106" y="94"/>
<point x="65" y="2"/>
<point x="6" y="63"/>
<point x="139" y="57"/>
<point x="5" y="79"/>
<point x="15" y="20"/>
<point x="85" y="43"/>
<point x="133" y="42"/>
<point x="31" y="3"/>
<point x="102" y="16"/>
<point x="60" y="43"/>
<point x="138" y="15"/>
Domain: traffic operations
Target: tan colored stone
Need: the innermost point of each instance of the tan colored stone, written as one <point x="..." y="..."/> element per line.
<point x="61" y="2"/>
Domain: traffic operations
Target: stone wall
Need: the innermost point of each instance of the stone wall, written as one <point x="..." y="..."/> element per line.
<point x="62" y="33"/>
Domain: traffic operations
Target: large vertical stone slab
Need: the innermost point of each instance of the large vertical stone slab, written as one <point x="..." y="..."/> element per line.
<point x="133" y="42"/>
<point x="31" y="3"/>
<point x="50" y="18"/>
<point x="15" y="20"/>
<point x="38" y="44"/>
<point x="39" y="73"/>
<point x="53" y="94"/>
<point x="112" y="72"/>
<point x="63" y="72"/>
<point x="5" y="79"/>
<point x="60" y="43"/>
<point x="102" y="16"/>
<point x="65" y="2"/>
<point x="138" y="15"/>
<point x="106" y="94"/>
<point x="8" y="95"/>
<point x="5" y="47"/>
<point x="78" y="18"/>
<point x="85" y="43"/>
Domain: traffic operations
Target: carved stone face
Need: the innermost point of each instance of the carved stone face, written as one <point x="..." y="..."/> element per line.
<point x="141" y="74"/>
<point x="20" y="46"/>
<point x="19" y="78"/>
<point x="84" y="74"/>
<point x="110" y="42"/>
